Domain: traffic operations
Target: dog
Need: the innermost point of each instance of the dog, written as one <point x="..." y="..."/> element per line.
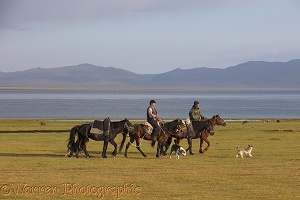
<point x="178" y="150"/>
<point x="242" y="151"/>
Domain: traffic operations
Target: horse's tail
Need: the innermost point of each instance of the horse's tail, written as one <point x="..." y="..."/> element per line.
<point x="71" y="140"/>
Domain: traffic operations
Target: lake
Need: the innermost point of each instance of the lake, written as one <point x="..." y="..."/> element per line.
<point x="133" y="104"/>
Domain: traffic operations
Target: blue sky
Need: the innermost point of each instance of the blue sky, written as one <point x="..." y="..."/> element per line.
<point x="147" y="36"/>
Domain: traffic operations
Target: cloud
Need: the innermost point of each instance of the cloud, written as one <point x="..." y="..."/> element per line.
<point x="15" y="14"/>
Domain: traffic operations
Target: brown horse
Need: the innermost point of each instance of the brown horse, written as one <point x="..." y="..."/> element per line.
<point x="166" y="130"/>
<point x="201" y="131"/>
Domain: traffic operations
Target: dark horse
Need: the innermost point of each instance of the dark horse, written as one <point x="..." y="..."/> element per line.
<point x="166" y="130"/>
<point x="202" y="129"/>
<point x="83" y="132"/>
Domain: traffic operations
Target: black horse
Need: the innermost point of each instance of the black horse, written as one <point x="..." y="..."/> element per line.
<point x="84" y="133"/>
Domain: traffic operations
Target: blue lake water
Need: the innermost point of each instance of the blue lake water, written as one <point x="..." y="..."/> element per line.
<point x="133" y="104"/>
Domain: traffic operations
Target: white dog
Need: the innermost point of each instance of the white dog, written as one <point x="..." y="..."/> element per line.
<point x="241" y="151"/>
<point x="178" y="150"/>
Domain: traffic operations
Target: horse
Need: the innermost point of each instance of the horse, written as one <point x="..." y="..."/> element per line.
<point x="139" y="132"/>
<point x="84" y="133"/>
<point x="202" y="130"/>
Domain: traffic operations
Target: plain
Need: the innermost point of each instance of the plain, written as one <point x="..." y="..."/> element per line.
<point x="33" y="165"/>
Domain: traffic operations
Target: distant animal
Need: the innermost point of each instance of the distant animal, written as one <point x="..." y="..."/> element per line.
<point x="242" y="151"/>
<point x="178" y="151"/>
<point x="42" y="123"/>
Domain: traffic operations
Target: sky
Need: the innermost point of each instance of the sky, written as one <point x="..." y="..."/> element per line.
<point x="147" y="36"/>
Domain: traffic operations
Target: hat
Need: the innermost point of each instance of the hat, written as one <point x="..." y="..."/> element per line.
<point x="196" y="102"/>
<point x="152" y="101"/>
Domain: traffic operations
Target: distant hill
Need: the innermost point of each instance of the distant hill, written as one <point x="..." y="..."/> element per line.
<point x="253" y="74"/>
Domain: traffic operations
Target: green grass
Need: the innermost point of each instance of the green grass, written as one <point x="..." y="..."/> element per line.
<point x="37" y="160"/>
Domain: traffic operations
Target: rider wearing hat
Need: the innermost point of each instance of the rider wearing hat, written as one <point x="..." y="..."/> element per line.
<point x="195" y="114"/>
<point x="153" y="119"/>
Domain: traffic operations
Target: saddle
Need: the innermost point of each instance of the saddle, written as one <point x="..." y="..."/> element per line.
<point x="96" y="127"/>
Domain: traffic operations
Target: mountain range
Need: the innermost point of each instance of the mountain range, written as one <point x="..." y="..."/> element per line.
<point x="249" y="75"/>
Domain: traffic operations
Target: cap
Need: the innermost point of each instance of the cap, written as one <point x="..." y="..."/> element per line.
<point x="196" y="102"/>
<point x="152" y="101"/>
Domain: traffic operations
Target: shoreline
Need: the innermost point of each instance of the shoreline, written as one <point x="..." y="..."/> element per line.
<point x="144" y="119"/>
<point x="144" y="88"/>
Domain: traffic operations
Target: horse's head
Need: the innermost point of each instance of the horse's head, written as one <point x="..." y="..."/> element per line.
<point x="218" y="120"/>
<point x="180" y="125"/>
<point x="127" y="125"/>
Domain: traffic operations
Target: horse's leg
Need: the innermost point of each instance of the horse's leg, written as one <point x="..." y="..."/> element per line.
<point x="114" y="153"/>
<point x="162" y="152"/>
<point x="201" y="143"/>
<point x="85" y="151"/>
<point x="177" y="141"/>
<point x="128" y="145"/>
<point x="77" y="146"/>
<point x="190" y="142"/>
<point x="168" y="143"/>
<point x="138" y="143"/>
<point x="105" y="144"/>
<point x="122" y="143"/>
<point x="208" y="144"/>
<point x="158" y="150"/>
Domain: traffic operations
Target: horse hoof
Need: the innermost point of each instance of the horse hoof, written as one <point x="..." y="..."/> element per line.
<point x="191" y="154"/>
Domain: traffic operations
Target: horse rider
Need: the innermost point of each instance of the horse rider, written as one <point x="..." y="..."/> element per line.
<point x="153" y="119"/>
<point x="195" y="114"/>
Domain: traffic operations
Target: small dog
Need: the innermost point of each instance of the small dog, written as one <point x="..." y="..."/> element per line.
<point x="241" y="151"/>
<point x="178" y="150"/>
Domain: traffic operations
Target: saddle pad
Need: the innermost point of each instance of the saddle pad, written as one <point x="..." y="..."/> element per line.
<point x="96" y="131"/>
<point x="188" y="121"/>
<point x="147" y="127"/>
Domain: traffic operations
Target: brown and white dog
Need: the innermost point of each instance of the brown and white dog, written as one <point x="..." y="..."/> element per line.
<point x="242" y="151"/>
<point x="178" y="150"/>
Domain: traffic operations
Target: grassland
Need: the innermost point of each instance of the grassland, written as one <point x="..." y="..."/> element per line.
<point x="34" y="166"/>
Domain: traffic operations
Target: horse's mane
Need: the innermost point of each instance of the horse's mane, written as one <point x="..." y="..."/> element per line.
<point x="116" y="124"/>
<point x="168" y="125"/>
